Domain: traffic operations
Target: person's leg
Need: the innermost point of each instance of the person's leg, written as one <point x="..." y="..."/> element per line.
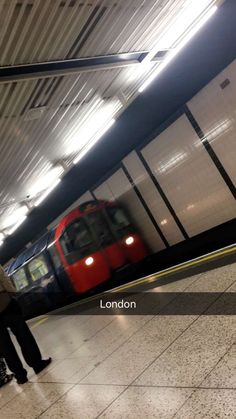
<point x="3" y="368"/>
<point x="9" y="353"/>
<point x="4" y="377"/>
<point x="15" y="321"/>
<point x="26" y="340"/>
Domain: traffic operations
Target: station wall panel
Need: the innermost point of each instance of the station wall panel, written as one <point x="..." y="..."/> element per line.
<point x="189" y="178"/>
<point x="87" y="196"/>
<point x="104" y="192"/>
<point x="121" y="190"/>
<point x="214" y="108"/>
<point x="153" y="199"/>
<point x="83" y="198"/>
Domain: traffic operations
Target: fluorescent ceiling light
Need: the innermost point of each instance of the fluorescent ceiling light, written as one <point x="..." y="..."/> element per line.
<point x="1" y="243"/>
<point x="75" y="128"/>
<point x="15" y="227"/>
<point x="46" y="193"/>
<point x="16" y="215"/>
<point x="183" y="21"/>
<point x="94" y="141"/>
<point x="93" y="125"/>
<point x="45" y="181"/>
<point x="1" y="237"/>
<point x="201" y="22"/>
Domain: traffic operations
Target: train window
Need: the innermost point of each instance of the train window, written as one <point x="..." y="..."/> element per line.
<point x="77" y="241"/>
<point x="118" y="217"/>
<point x="20" y="279"/>
<point x="100" y="228"/>
<point x="38" y="268"/>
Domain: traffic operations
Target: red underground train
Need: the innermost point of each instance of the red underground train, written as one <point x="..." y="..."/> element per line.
<point x="88" y="245"/>
<point x="94" y="240"/>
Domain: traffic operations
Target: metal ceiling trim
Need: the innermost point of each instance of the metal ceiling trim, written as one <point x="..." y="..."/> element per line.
<point x="74" y="66"/>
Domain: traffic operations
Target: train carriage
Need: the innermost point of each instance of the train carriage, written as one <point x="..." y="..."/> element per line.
<point x="86" y="247"/>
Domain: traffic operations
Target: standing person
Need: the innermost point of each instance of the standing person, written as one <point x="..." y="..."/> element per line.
<point x="11" y="316"/>
<point x="4" y="377"/>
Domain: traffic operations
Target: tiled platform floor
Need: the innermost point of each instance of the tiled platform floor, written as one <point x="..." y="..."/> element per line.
<point x="135" y="366"/>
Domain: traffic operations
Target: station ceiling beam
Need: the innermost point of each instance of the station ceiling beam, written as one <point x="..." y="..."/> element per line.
<point x="74" y="66"/>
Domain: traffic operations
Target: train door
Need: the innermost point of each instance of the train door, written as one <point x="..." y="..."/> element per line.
<point x="106" y="239"/>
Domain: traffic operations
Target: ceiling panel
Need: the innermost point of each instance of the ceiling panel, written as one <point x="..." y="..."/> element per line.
<point x="46" y="122"/>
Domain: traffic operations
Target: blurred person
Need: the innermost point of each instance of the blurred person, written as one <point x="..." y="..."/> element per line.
<point x="11" y="317"/>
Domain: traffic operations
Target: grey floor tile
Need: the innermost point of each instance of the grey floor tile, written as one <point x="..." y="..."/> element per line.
<point x="147" y="402"/>
<point x="225" y="304"/>
<point x="83" y="402"/>
<point x="192" y="356"/>
<point x="33" y="400"/>
<point x="111" y="337"/>
<point x="8" y="392"/>
<point x="224" y="374"/>
<point x="209" y="404"/>
<point x="70" y="334"/>
<point x="125" y="364"/>
<point x="69" y="370"/>
<point x="216" y="280"/>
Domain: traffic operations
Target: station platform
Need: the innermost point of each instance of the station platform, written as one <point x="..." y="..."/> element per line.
<point x="175" y="361"/>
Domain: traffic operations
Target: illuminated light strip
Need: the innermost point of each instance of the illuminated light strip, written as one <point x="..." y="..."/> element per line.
<point x="15" y="217"/>
<point x="84" y="119"/>
<point x="172" y="54"/>
<point x="189" y="14"/>
<point x="94" y="141"/>
<point x="46" y="193"/>
<point x="176" y="268"/>
<point x="13" y="229"/>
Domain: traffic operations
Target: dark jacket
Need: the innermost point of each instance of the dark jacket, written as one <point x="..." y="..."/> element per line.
<point x="7" y="290"/>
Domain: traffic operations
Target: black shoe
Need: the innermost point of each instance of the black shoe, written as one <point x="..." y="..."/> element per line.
<point x="43" y="364"/>
<point x="6" y="379"/>
<point x="21" y="380"/>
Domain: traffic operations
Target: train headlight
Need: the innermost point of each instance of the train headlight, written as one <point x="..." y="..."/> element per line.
<point x="89" y="261"/>
<point x="129" y="240"/>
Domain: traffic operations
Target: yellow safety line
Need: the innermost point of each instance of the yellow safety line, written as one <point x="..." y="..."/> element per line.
<point x="156" y="276"/>
<point x="39" y="322"/>
<point x="168" y="271"/>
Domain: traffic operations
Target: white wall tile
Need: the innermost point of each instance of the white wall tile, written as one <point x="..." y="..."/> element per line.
<point x="189" y="178"/>
<point x="104" y="192"/>
<point x="215" y="111"/>
<point x="153" y="199"/>
<point x="85" y="197"/>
